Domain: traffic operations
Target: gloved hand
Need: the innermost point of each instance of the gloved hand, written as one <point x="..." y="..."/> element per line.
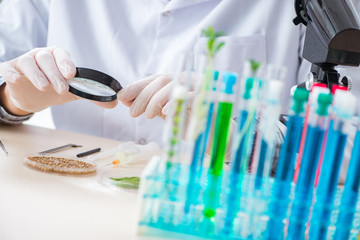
<point x="37" y="80"/>
<point x="150" y="96"/>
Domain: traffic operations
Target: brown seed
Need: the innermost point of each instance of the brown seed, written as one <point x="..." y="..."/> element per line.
<point x="60" y="165"/>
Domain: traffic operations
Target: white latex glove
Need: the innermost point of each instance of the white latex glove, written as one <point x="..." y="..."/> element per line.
<point x="37" y="79"/>
<point x="149" y="96"/>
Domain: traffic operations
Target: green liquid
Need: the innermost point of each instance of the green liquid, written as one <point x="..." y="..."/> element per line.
<point x="221" y="138"/>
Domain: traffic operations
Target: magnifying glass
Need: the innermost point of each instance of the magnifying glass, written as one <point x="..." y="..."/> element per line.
<point x="94" y="85"/>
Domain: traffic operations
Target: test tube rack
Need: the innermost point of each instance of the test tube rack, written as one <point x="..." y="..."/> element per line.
<point x="163" y="195"/>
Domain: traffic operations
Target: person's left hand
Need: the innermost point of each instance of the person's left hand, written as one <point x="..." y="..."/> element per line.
<point x="149" y="95"/>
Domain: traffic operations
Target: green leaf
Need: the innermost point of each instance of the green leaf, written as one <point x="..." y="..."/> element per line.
<point x="127" y="182"/>
<point x="209" y="32"/>
<point x="219" y="46"/>
<point x="210" y="44"/>
<point x="254" y="65"/>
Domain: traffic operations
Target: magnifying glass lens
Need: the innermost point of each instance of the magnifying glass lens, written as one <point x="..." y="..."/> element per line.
<point x="94" y="85"/>
<point x="91" y="87"/>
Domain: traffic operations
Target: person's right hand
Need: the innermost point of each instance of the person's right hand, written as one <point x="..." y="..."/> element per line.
<point x="37" y="80"/>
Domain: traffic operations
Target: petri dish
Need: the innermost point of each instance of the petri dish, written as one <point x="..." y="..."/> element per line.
<point x="94" y="85"/>
<point x="57" y="164"/>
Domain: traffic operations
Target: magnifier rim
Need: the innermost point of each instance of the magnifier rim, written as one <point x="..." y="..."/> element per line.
<point x="99" y="77"/>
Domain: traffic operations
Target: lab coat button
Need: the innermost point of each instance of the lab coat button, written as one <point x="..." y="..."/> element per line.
<point x="166" y="14"/>
<point x="142" y="141"/>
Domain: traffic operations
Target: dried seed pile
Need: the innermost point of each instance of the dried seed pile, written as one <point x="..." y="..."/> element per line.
<point x="60" y="165"/>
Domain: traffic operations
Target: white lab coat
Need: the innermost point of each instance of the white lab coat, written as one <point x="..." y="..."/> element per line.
<point x="133" y="39"/>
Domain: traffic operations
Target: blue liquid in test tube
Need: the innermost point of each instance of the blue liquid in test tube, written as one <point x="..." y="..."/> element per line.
<point x="285" y="168"/>
<point x="305" y="185"/>
<point x="239" y="152"/>
<point x="350" y="194"/>
<point x="344" y="107"/>
<point x="200" y="146"/>
<point x="268" y="132"/>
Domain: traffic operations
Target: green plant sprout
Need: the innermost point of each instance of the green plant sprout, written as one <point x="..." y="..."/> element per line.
<point x="255" y="65"/>
<point x="202" y="105"/>
<point x="212" y="45"/>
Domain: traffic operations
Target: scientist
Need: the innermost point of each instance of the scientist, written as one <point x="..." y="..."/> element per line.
<point x="136" y="42"/>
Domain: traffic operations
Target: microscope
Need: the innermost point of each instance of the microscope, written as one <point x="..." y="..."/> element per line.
<point x="332" y="38"/>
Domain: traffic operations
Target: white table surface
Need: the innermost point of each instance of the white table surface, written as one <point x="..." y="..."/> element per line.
<point x="39" y="205"/>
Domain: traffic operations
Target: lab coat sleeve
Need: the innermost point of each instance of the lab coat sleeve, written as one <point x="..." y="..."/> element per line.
<point x="23" y="26"/>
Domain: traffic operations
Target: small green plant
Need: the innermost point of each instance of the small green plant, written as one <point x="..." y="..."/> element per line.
<point x="254" y="66"/>
<point x="212" y="45"/>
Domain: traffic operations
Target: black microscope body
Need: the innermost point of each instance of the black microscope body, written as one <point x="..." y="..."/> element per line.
<point x="332" y="38"/>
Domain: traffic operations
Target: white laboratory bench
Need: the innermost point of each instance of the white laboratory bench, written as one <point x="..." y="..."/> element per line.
<point x="42" y="206"/>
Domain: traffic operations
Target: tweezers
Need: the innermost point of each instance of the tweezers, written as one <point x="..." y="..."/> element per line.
<point x="3" y="147"/>
<point x="57" y="149"/>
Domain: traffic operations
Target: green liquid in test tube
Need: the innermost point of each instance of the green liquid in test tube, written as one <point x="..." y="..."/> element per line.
<point x="221" y="138"/>
<point x="220" y="143"/>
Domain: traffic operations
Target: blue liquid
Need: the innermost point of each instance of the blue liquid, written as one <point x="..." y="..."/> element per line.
<point x="329" y="178"/>
<point x="208" y="127"/>
<point x="198" y="153"/>
<point x="201" y="143"/>
<point x="233" y="198"/>
<point x="350" y="194"/>
<point x="241" y="151"/>
<point x="261" y="164"/>
<point x="233" y="203"/>
<point x="288" y="153"/>
<point x="283" y="178"/>
<point x="305" y="185"/>
<point x="193" y="188"/>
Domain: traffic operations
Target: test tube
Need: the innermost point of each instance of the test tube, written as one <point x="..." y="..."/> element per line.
<point x="176" y="119"/>
<point x="285" y="167"/>
<point x="244" y="135"/>
<point x="318" y="122"/>
<point x="350" y="193"/>
<point x="198" y="135"/>
<point x="240" y="149"/>
<point x="334" y="89"/>
<point x="220" y="142"/>
<point x="343" y="111"/>
<point x="173" y="139"/>
<point x="316" y="89"/>
<point x="268" y="131"/>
